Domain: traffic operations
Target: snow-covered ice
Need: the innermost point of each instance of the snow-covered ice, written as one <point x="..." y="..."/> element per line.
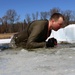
<point x="3" y="41"/>
<point x="65" y="34"/>
<point x="55" y="61"/>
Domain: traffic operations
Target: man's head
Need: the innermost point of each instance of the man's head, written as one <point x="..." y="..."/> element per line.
<point x="57" y="21"/>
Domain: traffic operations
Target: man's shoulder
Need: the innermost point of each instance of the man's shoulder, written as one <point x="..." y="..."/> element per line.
<point x="45" y="20"/>
<point x="41" y="22"/>
<point x="38" y="23"/>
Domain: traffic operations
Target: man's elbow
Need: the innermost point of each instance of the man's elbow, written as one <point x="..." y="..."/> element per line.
<point x="29" y="46"/>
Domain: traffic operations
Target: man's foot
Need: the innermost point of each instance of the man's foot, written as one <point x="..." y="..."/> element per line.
<point x="12" y="42"/>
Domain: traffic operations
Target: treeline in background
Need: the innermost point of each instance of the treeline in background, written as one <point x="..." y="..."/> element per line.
<point x="10" y="22"/>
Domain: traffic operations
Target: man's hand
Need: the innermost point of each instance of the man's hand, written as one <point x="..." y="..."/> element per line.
<point x="51" y="42"/>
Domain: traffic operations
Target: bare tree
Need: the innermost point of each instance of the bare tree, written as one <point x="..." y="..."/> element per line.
<point x="0" y="20"/>
<point x="35" y="16"/>
<point x="43" y="15"/>
<point x="28" y="18"/>
<point x="73" y="16"/>
<point x="4" y="18"/>
<point x="4" y="22"/>
<point x="12" y="15"/>
<point x="67" y="14"/>
<point x="4" y="27"/>
<point x="54" y="10"/>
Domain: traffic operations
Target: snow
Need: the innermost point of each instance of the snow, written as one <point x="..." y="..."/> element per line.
<point x="65" y="34"/>
<point x="56" y="61"/>
<point x="3" y="41"/>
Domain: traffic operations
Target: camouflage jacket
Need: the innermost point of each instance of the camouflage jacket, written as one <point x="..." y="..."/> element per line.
<point x="34" y="35"/>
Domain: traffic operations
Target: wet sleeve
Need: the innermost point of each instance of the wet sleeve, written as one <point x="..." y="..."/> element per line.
<point x="31" y="43"/>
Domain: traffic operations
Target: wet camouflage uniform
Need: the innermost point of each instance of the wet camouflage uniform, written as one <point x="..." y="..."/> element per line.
<point x="34" y="35"/>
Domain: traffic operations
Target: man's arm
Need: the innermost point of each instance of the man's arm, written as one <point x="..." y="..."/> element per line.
<point x="31" y="43"/>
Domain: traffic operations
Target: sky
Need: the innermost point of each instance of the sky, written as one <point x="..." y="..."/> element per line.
<point x="23" y="7"/>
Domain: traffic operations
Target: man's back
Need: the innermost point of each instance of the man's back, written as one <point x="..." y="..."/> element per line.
<point x="34" y="35"/>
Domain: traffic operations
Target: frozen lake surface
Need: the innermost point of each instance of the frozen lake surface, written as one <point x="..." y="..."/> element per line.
<point x="53" y="61"/>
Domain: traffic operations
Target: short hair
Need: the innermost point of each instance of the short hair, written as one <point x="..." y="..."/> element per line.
<point x="56" y="16"/>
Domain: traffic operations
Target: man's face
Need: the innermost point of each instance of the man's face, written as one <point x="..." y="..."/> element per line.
<point x="56" y="25"/>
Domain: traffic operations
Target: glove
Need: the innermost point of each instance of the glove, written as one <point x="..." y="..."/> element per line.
<point x="51" y="42"/>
